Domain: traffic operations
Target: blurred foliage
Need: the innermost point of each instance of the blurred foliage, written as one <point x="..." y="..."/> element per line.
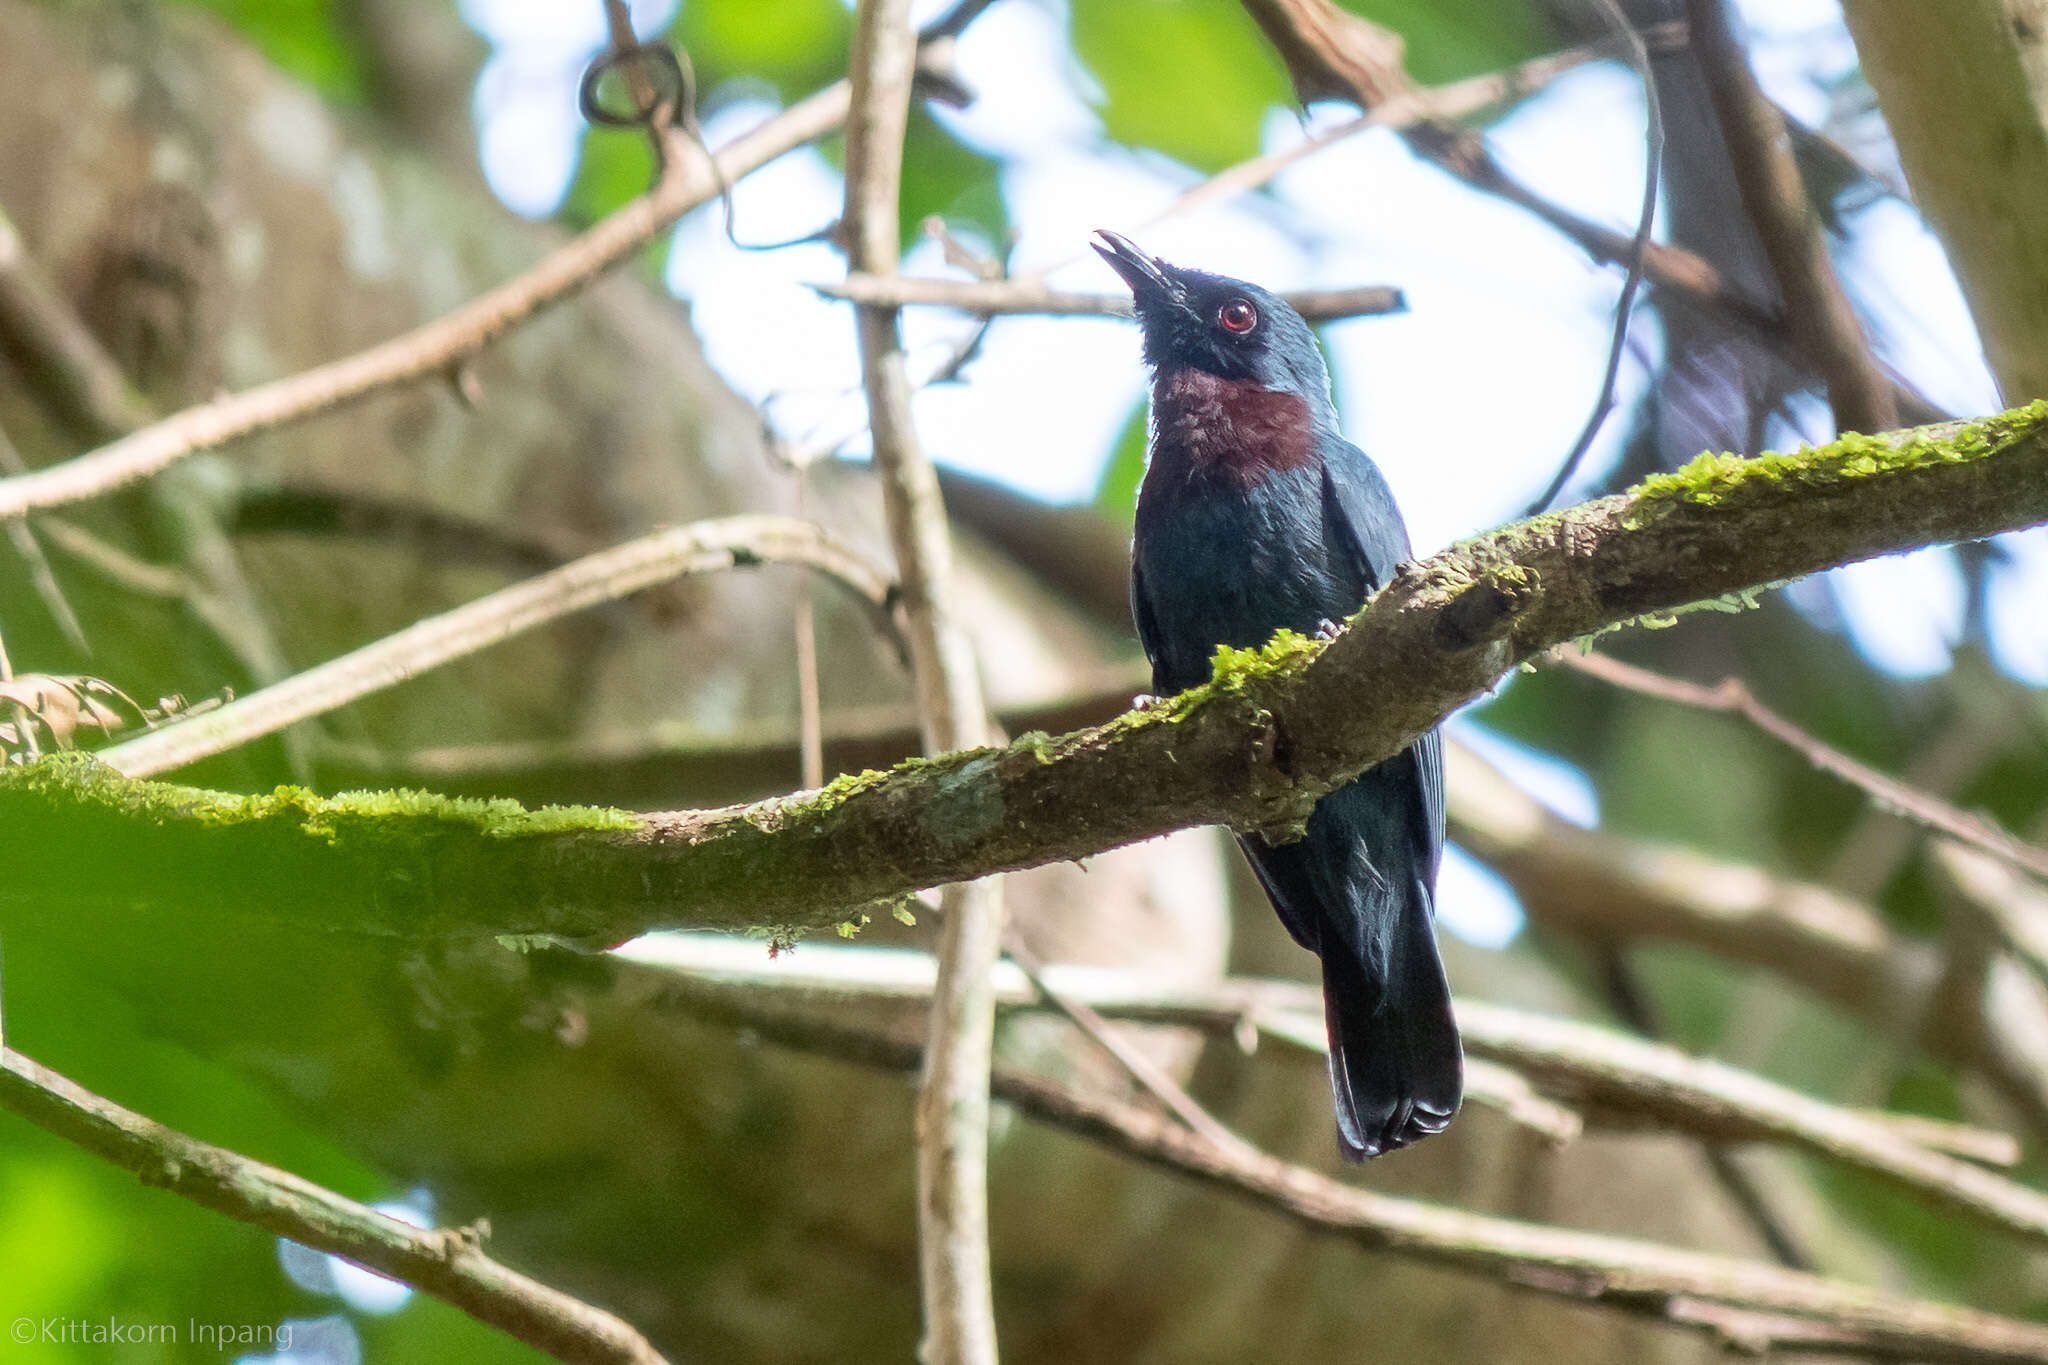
<point x="615" y="165"/>
<point x="81" y="1240"/>
<point x="792" y="46"/>
<point x="1193" y="79"/>
<point x="1189" y="78"/>
<point x="1449" y="40"/>
<point x="305" y="37"/>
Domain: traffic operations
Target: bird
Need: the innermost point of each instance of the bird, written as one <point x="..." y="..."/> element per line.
<point x="1255" y="515"/>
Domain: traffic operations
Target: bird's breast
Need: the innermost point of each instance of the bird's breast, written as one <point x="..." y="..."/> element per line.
<point x="1230" y="427"/>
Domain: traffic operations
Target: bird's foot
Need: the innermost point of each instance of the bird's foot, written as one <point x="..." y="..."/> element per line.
<point x="1145" y="701"/>
<point x="1327" y="630"/>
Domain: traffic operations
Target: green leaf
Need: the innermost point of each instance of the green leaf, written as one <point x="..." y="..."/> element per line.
<point x="1449" y="40"/>
<point x="795" y="46"/>
<point x="946" y="178"/>
<point x="1190" y="78"/>
<point x="615" y="165"/>
<point x="304" y="37"/>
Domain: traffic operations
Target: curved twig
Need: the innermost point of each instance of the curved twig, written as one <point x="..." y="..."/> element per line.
<point x="700" y="547"/>
<point x="1624" y="307"/>
<point x="1733" y="697"/>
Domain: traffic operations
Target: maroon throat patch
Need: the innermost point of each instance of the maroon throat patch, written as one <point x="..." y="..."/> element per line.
<point x="1230" y="426"/>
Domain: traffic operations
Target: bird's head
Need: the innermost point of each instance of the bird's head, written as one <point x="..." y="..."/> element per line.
<point x="1194" y="320"/>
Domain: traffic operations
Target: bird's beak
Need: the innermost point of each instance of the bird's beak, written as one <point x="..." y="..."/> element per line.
<point x="1151" y="279"/>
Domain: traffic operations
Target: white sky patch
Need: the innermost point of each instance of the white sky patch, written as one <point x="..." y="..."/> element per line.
<point x="1508" y="321"/>
<point x="525" y="106"/>
<point x="1475" y="902"/>
<point x="1561" y="787"/>
<point x="1915" y="309"/>
<point x="1904" y="612"/>
<point x="1028" y="90"/>
<point x="363" y="1290"/>
<point x="2019" y="618"/>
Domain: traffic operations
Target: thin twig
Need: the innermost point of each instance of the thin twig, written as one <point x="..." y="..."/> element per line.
<point x="1029" y="294"/>
<point x="1653" y="170"/>
<point x="1774" y="1308"/>
<point x="115" y="564"/>
<point x="30" y="549"/>
<point x="1775" y="196"/>
<point x="1733" y="697"/>
<point x="1596" y="884"/>
<point x="449" y="1264"/>
<point x="952" y="1099"/>
<point x="1134" y="1060"/>
<point x="700" y="547"/>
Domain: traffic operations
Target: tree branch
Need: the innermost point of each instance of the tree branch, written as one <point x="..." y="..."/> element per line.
<point x="700" y="547"/>
<point x="952" y="1096"/>
<point x="1331" y="57"/>
<point x="1768" y="1307"/>
<point x="1733" y="697"/>
<point x="1441" y="633"/>
<point x="1610" y="1075"/>
<point x="1978" y="166"/>
<point x="1029" y="294"/>
<point x="449" y="1264"/>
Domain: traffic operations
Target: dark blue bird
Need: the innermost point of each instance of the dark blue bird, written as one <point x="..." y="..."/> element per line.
<point x="1256" y="515"/>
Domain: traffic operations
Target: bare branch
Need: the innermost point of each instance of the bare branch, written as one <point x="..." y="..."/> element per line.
<point x="1147" y="1073"/>
<point x="1733" y="697"/>
<point x="700" y="547"/>
<point x="1029" y="294"/>
<point x="1772" y="1308"/>
<point x="1616" y="890"/>
<point x="1610" y="1077"/>
<point x="449" y="1264"/>
<point x="1335" y="58"/>
<point x="2014" y="910"/>
<point x="952" y="1097"/>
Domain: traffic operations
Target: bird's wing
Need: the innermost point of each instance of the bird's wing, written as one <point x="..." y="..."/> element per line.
<point x="1359" y="504"/>
<point x="1361" y="507"/>
<point x="1141" y="612"/>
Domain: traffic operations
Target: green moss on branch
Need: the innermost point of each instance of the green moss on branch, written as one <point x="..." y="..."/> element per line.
<point x="1272" y="730"/>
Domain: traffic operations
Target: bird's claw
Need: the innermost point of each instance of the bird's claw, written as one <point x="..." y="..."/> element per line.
<point x="1145" y="701"/>
<point x="1326" y="630"/>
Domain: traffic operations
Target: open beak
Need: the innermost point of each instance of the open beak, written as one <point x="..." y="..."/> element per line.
<point x="1151" y="280"/>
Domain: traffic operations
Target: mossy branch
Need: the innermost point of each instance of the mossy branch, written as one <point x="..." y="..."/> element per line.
<point x="1253" y="748"/>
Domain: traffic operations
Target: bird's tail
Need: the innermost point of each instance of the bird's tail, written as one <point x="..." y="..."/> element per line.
<point x="1395" y="1064"/>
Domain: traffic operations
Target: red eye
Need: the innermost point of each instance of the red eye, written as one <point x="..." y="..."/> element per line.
<point x="1237" y="316"/>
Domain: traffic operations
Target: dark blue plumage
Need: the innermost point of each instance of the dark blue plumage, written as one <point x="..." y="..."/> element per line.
<point x="1255" y="514"/>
